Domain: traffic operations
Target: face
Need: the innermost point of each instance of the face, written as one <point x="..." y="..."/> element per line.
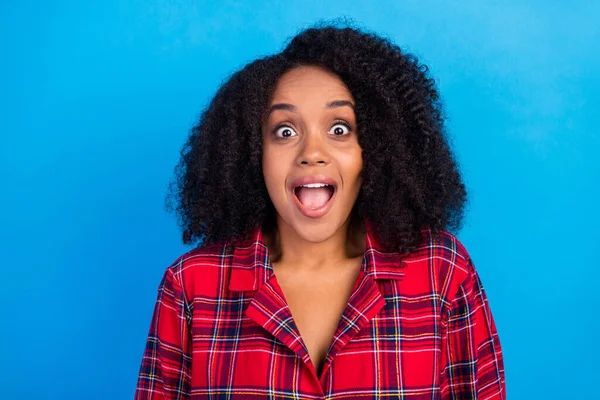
<point x="311" y="156"/>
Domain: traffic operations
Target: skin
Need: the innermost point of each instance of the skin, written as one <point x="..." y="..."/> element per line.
<point x="315" y="261"/>
<point x="307" y="145"/>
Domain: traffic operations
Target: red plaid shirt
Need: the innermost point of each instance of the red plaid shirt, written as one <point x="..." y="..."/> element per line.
<point x="417" y="327"/>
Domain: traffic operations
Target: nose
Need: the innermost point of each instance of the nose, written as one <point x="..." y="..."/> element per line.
<point x="313" y="150"/>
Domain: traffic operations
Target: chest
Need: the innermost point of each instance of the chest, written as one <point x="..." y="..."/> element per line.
<point x="317" y="302"/>
<point x="389" y="338"/>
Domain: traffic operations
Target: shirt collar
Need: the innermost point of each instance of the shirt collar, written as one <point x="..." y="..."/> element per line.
<point x="251" y="268"/>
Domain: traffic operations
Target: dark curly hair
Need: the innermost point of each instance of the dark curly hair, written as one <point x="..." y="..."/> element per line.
<point x="411" y="181"/>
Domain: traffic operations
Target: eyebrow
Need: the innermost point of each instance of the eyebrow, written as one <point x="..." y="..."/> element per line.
<point x="292" y="108"/>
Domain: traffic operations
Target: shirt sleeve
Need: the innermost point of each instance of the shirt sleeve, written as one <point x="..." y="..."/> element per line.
<point x="473" y="367"/>
<point x="166" y="363"/>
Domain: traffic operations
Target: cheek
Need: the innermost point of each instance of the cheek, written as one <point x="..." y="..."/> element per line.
<point x="352" y="164"/>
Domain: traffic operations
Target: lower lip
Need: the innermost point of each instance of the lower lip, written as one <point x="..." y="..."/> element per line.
<point x="316" y="212"/>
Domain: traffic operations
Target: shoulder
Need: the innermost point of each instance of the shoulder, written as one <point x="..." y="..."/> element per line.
<point x="442" y="259"/>
<point x="447" y="248"/>
<point x="201" y="270"/>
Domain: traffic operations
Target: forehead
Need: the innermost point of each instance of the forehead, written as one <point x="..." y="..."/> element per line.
<point x="310" y="81"/>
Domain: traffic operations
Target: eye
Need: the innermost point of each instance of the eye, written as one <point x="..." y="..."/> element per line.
<point x="338" y="128"/>
<point x="284" y="131"/>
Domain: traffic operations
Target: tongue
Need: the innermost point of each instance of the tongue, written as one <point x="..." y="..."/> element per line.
<point x="313" y="197"/>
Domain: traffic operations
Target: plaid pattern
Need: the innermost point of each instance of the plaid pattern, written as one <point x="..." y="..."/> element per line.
<point x="417" y="327"/>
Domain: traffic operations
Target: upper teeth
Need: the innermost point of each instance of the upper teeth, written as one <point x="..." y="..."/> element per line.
<point x="315" y="185"/>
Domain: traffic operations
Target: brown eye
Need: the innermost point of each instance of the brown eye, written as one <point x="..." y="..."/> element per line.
<point x="341" y="129"/>
<point x="284" y="131"/>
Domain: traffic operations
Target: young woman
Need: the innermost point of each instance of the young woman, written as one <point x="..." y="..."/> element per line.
<point x="323" y="190"/>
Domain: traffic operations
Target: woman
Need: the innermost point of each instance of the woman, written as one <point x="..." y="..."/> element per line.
<point x="323" y="190"/>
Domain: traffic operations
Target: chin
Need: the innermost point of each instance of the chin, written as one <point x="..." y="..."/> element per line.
<point x="315" y="231"/>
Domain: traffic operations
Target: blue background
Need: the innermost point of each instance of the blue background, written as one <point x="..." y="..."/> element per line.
<point x="97" y="99"/>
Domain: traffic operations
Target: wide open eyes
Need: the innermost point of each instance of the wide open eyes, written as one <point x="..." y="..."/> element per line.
<point x="284" y="131"/>
<point x="340" y="128"/>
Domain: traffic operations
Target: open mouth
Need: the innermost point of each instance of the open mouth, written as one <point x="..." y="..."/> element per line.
<point x="314" y="195"/>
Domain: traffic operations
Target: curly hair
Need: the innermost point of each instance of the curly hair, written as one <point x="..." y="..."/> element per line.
<point x="411" y="181"/>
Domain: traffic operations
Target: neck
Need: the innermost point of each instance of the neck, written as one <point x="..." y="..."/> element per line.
<point x="287" y="248"/>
